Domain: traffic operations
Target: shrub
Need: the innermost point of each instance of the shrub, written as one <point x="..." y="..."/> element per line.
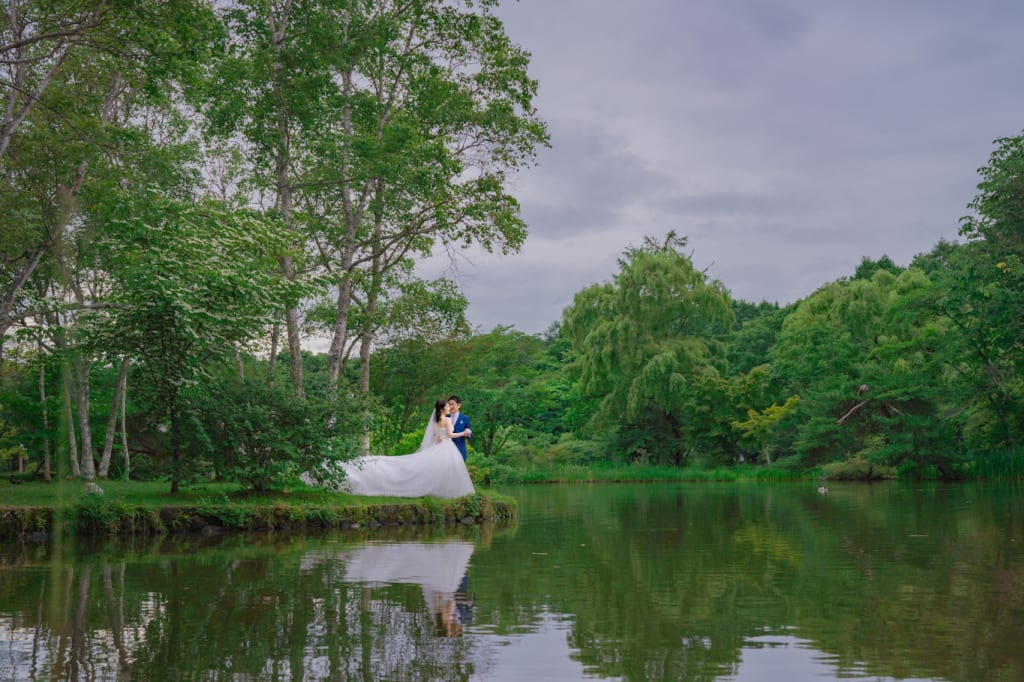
<point x="264" y="437"/>
<point x="495" y="473"/>
<point x="857" y="469"/>
<point x="570" y="450"/>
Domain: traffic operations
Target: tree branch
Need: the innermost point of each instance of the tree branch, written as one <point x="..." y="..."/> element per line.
<point x="852" y="410"/>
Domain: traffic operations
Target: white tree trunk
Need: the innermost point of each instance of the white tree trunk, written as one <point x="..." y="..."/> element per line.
<point x="88" y="467"/>
<point x="115" y="406"/>
<point x="275" y="337"/>
<point x="47" y="443"/>
<point x="124" y="432"/>
<point x="239" y="365"/>
<point x="69" y="419"/>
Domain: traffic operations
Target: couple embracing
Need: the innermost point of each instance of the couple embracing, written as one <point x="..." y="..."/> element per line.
<point x="437" y="469"/>
<point x="460" y="424"/>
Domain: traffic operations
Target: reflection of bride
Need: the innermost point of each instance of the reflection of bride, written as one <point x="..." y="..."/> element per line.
<point x="435" y="470"/>
<point x="439" y="568"/>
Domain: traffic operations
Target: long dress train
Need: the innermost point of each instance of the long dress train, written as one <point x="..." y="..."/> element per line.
<point x="435" y="470"/>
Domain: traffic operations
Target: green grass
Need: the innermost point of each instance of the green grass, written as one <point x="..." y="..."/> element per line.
<point x="643" y="473"/>
<point x="998" y="465"/>
<point x="156" y="494"/>
<point x="62" y="494"/>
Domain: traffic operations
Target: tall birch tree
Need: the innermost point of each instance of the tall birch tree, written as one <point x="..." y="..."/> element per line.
<point x="381" y="129"/>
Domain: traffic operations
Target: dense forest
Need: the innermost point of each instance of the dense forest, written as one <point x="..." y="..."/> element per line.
<point x="191" y="191"/>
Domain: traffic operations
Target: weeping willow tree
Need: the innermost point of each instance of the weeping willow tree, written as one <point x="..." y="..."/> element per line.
<point x="649" y="348"/>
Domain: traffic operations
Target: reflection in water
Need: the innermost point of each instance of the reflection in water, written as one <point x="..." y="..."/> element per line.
<point x="334" y="607"/>
<point x="782" y="658"/>
<point x="622" y="582"/>
<point x="439" y="568"/>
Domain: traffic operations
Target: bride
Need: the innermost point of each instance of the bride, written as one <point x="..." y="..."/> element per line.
<point x="435" y="470"/>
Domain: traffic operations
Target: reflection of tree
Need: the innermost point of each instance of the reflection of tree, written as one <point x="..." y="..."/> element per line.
<point x="79" y="656"/>
<point x="307" y="622"/>
<point x="660" y="582"/>
<point x="238" y="608"/>
<point x="669" y="582"/>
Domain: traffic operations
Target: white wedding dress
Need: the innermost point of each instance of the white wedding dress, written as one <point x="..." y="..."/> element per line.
<point x="435" y="470"/>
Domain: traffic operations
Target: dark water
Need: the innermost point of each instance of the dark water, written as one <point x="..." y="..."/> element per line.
<point x="624" y="582"/>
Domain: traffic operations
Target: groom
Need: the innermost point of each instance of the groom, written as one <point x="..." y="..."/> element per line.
<point x="460" y="422"/>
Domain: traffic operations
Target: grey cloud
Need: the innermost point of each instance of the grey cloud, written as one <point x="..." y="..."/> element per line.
<point x="585" y="182"/>
<point x="530" y="290"/>
<point x="552" y="220"/>
<point x="732" y="203"/>
<point x="788" y="139"/>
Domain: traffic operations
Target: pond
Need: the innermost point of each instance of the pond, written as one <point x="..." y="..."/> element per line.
<point x="614" y="581"/>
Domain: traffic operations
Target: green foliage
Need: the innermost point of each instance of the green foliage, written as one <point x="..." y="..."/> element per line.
<point x="263" y="437"/>
<point x="998" y="465"/>
<point x="757" y="329"/>
<point x="490" y="473"/>
<point x="759" y="427"/>
<point x="408" y="378"/>
<point x="96" y="514"/>
<point x="647" y="344"/>
<point x="983" y="300"/>
<point x="509" y="388"/>
<point x="868" y="267"/>
<point x="512" y="388"/>
<point x="225" y="512"/>
<point x="203" y="280"/>
<point x="572" y="450"/>
<point x="862" y="356"/>
<point x="857" y="469"/>
<point x="377" y="146"/>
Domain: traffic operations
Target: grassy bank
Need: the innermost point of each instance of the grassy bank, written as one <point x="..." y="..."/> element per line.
<point x="996" y="465"/>
<point x="641" y="473"/>
<point x="144" y="508"/>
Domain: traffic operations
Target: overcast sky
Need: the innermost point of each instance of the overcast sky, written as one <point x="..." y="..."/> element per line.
<point x="786" y="138"/>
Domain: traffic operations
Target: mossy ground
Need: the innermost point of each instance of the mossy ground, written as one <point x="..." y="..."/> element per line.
<point x="148" y="508"/>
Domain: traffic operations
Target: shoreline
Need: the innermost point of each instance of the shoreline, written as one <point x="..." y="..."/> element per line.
<point x="94" y="516"/>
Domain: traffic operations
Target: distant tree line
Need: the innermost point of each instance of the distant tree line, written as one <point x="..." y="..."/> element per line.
<point x="913" y="371"/>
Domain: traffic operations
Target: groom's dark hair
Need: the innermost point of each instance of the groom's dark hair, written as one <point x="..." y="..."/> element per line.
<point x="457" y="399"/>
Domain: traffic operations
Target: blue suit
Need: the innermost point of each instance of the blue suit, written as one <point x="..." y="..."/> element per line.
<point x="461" y="423"/>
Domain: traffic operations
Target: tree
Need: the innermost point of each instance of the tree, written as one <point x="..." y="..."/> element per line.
<point x="760" y="426"/>
<point x="757" y="327"/>
<point x="500" y="379"/>
<point x="448" y="115"/>
<point x="645" y="341"/>
<point x="271" y="87"/>
<point x="381" y="128"/>
<point x="197" y="280"/>
<point x="863" y="357"/>
<point x="983" y="287"/>
<point x="410" y="376"/>
<point x="412" y="326"/>
<point x="56" y="57"/>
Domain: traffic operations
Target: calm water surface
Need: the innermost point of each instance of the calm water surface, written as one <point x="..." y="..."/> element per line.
<point x="623" y="582"/>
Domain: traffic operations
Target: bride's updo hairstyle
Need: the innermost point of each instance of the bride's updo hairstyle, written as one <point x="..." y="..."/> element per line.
<point x="439" y="409"/>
